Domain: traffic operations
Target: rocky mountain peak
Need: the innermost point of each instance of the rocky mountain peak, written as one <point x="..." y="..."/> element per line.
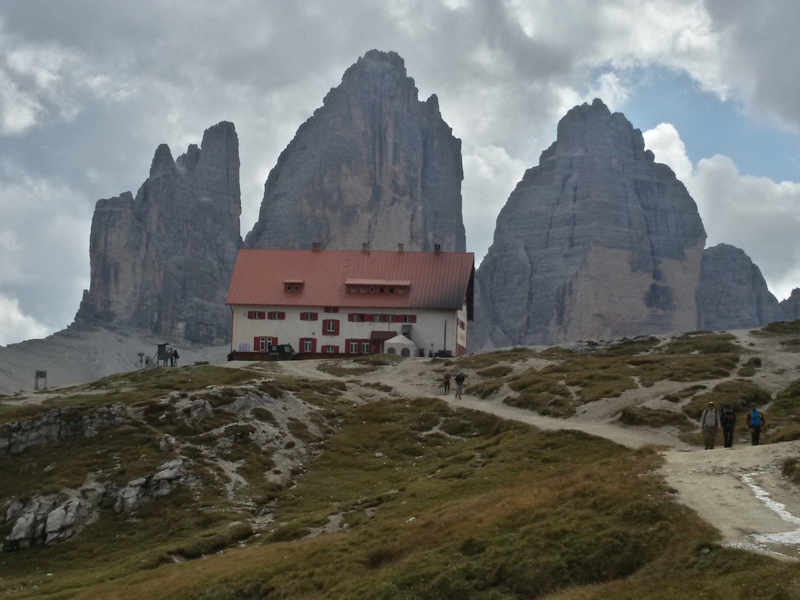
<point x="161" y="261"/>
<point x="594" y="128"/>
<point x="596" y="242"/>
<point x="372" y="165"/>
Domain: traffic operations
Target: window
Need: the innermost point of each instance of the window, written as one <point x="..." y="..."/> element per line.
<point x="330" y="327"/>
<point x="263" y="343"/>
<point x="330" y="349"/>
<point x="401" y="291"/>
<point x="352" y="346"/>
<point x="256" y="314"/>
<point x="372" y="290"/>
<point x="292" y="287"/>
<point x="391" y="318"/>
<point x="353" y="289"/>
<point x="355" y="317"/>
<point x="331" y="309"/>
<point x="308" y="316"/>
<point x="408" y="318"/>
<point x="364" y="346"/>
<point x="377" y="318"/>
<point x="308" y="345"/>
<point x="276" y="316"/>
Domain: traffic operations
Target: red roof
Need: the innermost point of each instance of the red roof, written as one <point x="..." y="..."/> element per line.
<point x="431" y="279"/>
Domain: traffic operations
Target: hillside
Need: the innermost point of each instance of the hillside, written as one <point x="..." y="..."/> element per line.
<point x="571" y="472"/>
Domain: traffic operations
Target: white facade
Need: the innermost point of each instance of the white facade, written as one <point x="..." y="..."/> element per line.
<point x="317" y="330"/>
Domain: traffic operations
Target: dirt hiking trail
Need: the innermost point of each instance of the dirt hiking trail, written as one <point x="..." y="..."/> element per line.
<point x="740" y="490"/>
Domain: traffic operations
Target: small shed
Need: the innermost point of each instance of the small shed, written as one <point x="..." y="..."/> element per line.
<point x="401" y="345"/>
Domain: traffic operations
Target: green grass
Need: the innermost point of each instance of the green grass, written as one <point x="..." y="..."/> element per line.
<point x="434" y="501"/>
<point x="493" y="509"/>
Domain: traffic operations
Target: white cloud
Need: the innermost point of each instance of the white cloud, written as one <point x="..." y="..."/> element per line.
<point x="756" y="214"/>
<point x="669" y="149"/>
<point x="489" y="173"/>
<point x="16" y="326"/>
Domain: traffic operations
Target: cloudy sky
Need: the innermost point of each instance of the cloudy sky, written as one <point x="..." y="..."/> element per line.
<point x="89" y="88"/>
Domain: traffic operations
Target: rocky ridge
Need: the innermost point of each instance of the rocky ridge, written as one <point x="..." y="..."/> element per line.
<point x="50" y="518"/>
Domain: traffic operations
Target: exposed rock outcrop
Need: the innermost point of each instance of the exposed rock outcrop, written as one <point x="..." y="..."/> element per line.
<point x="791" y="306"/>
<point x="732" y="293"/>
<point x="162" y="261"/>
<point x="596" y="242"/>
<point x="372" y="165"/>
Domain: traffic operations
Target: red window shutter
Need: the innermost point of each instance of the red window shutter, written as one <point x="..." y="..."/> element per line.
<point x="256" y="344"/>
<point x="351" y="316"/>
<point x="336" y="327"/>
<point x="413" y="318"/>
<point x="281" y="315"/>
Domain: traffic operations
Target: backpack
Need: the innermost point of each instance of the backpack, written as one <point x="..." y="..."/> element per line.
<point x="755" y="418"/>
<point x="728" y="416"/>
<point x="459" y="378"/>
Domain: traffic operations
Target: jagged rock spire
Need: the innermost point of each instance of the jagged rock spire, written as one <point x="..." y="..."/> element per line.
<point x="372" y="165"/>
<point x="162" y="261"/>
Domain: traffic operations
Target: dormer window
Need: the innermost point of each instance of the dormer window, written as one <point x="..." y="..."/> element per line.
<point x="293" y="286"/>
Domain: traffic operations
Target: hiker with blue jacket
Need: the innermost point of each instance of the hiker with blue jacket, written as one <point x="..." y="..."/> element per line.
<point x="755" y="421"/>
<point x="728" y="418"/>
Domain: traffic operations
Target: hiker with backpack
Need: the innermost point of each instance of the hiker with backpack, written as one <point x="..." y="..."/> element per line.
<point x="728" y="418"/>
<point x="755" y="421"/>
<point x="709" y="423"/>
<point x="460" y="384"/>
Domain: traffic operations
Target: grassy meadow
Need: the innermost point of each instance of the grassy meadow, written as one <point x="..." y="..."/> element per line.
<point x="398" y="497"/>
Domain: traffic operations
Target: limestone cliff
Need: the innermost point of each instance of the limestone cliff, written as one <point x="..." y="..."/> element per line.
<point x="372" y="165"/>
<point x="162" y="261"/>
<point x="596" y="242"/>
<point x="791" y="306"/>
<point x="732" y="293"/>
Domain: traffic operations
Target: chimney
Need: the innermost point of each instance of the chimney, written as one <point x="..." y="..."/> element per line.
<point x="399" y="247"/>
<point x="316" y="247"/>
<point x="437" y="249"/>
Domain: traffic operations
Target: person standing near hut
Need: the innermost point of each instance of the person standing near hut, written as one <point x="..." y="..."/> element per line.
<point x="460" y="384"/>
<point x="447" y="382"/>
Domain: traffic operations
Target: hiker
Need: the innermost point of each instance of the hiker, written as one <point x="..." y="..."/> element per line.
<point x="728" y="418"/>
<point x="460" y="383"/>
<point x="755" y="421"/>
<point x="447" y="382"/>
<point x="175" y="357"/>
<point x="709" y="423"/>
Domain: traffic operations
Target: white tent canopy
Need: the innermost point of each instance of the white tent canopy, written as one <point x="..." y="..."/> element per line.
<point x="401" y="345"/>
